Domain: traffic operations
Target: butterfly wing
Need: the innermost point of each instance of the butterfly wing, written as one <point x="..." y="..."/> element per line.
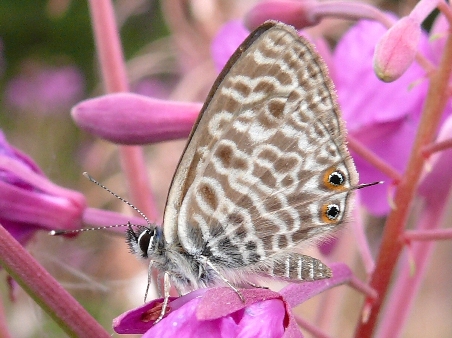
<point x="266" y="166"/>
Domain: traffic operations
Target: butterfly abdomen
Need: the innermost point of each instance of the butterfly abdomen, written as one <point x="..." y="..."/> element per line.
<point x="296" y="267"/>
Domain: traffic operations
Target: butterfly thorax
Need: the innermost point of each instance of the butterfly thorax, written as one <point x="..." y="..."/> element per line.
<point x="187" y="271"/>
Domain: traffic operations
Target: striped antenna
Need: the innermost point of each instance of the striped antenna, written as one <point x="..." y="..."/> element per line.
<point x="65" y="232"/>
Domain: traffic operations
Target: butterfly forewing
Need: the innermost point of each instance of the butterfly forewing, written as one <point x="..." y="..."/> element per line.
<point x="266" y="166"/>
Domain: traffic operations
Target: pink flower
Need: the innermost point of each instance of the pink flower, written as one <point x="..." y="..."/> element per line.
<point x="29" y="201"/>
<point x="395" y="52"/>
<point x="216" y="312"/>
<point x="45" y="90"/>
<point x="219" y="312"/>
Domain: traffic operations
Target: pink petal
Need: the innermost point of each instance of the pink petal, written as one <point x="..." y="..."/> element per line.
<point x="230" y="36"/>
<point x="396" y="50"/>
<point x="127" y="118"/>
<point x="135" y="321"/>
<point x="209" y="309"/>
<point x="39" y="210"/>
<point x="363" y="98"/>
<point x="297" y="293"/>
<point x="296" y="13"/>
<point x="263" y="319"/>
<point x="392" y="142"/>
<point x="30" y="201"/>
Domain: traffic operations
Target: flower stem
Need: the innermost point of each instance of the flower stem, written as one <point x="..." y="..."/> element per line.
<point x="406" y="286"/>
<point x="312" y="329"/>
<point x="392" y="243"/>
<point x="46" y="291"/>
<point x="428" y="235"/>
<point x="115" y="79"/>
<point x="437" y="146"/>
<point x="373" y="159"/>
<point x="4" y="333"/>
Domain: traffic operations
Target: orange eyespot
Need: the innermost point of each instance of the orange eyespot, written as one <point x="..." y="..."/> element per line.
<point x="334" y="179"/>
<point x="330" y="213"/>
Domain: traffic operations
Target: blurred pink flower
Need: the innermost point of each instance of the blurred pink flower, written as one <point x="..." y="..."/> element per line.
<point x="29" y="201"/>
<point x="45" y="90"/>
<point x="299" y="14"/>
<point x="382" y="116"/>
<point x="153" y="88"/>
<point x="435" y="183"/>
<point x="226" y="41"/>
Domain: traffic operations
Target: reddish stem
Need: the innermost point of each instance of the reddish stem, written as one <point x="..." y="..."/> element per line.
<point x="373" y="159"/>
<point x="361" y="239"/>
<point x="435" y="147"/>
<point x="428" y="235"/>
<point x="446" y="10"/>
<point x="312" y="329"/>
<point x="403" y="293"/>
<point x="114" y="75"/>
<point x="392" y="244"/>
<point x="4" y="333"/>
<point x="46" y="291"/>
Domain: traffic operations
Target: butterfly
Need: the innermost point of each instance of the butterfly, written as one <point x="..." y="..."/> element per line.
<point x="265" y="169"/>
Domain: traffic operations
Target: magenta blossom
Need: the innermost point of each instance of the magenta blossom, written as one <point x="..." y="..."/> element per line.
<point x="216" y="312"/>
<point x="29" y="201"/>
<point x="219" y="312"/>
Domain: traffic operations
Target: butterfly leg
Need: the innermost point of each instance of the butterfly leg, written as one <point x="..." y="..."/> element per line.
<point x="167" y="287"/>
<point x="295" y="267"/>
<point x="256" y="286"/>
<point x="149" y="280"/>
<point x="208" y="263"/>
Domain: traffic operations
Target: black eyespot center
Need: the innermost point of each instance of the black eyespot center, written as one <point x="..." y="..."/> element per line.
<point x="336" y="178"/>
<point x="332" y="211"/>
<point x="144" y="240"/>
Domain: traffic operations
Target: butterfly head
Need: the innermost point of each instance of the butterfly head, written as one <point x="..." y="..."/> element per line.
<point x="145" y="241"/>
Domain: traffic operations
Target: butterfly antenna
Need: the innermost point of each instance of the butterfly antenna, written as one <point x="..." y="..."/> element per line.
<point x="365" y="185"/>
<point x="66" y="232"/>
<point x="118" y="197"/>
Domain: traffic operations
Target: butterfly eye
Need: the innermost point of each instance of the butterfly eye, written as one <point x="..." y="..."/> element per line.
<point x="330" y="213"/>
<point x="334" y="179"/>
<point x="144" y="240"/>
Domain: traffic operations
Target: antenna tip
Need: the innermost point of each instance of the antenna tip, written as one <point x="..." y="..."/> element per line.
<point x="56" y="232"/>
<point x="365" y="185"/>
